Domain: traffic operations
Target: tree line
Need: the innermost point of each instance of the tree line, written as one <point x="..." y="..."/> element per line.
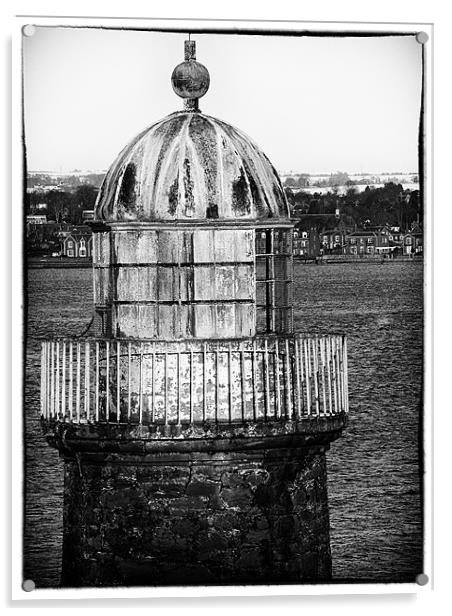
<point x="62" y="206"/>
<point x="390" y="204"/>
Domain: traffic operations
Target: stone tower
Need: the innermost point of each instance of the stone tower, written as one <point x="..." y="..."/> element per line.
<point x="193" y="423"/>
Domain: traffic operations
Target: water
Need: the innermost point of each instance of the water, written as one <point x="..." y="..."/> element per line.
<point x="373" y="469"/>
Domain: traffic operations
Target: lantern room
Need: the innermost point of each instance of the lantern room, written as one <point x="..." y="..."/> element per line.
<point x="192" y="237"/>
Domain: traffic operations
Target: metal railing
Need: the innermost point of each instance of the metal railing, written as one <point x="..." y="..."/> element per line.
<point x="192" y="382"/>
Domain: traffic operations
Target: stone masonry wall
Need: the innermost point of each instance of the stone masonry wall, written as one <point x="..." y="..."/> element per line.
<point x="255" y="517"/>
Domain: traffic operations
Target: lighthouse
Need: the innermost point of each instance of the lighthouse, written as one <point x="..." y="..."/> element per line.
<point x="191" y="420"/>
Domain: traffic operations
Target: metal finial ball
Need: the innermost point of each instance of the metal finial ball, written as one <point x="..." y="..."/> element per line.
<point x="190" y="79"/>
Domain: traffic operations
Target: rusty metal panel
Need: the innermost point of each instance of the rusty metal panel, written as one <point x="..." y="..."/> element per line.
<point x="135" y="246"/>
<point x="225" y="320"/>
<point x="224" y="283"/>
<point x="245" y="282"/>
<point x="102" y="288"/>
<point x="204" y="283"/>
<point x="245" y="324"/>
<point x="135" y="321"/>
<point x="101" y="248"/>
<point x="167" y="291"/>
<point x="203" y="246"/>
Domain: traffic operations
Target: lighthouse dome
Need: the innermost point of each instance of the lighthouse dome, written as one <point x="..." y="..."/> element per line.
<point x="190" y="166"/>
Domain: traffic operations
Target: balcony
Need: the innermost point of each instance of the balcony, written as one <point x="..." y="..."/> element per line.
<point x="170" y="386"/>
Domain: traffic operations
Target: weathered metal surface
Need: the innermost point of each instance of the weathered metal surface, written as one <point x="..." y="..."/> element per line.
<point x="190" y="166"/>
<point x="163" y="383"/>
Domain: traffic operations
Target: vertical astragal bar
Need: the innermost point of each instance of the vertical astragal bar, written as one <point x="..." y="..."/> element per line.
<point x="315" y="361"/>
<point x="289" y="408"/>
<point x="230" y="381"/>
<point x="253" y="355"/>
<point x="97" y="381"/>
<point x="297" y="377"/>
<point x="278" y="385"/>
<point x="87" y="368"/>
<point x="52" y="380"/>
<point x="129" y="379"/>
<point x="322" y="374"/>
<point x="307" y="374"/>
<point x="43" y="374"/>
<point x="191" y="386"/>
<point x="140" y="395"/>
<point x="243" y="384"/>
<point x="71" y="382"/>
<point x="267" y="380"/>
<point x="57" y="379"/>
<point x="77" y="385"/>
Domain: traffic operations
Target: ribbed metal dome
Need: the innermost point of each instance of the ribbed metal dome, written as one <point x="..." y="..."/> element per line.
<point x="190" y="166"/>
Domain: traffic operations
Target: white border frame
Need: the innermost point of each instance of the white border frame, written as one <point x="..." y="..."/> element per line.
<point x="17" y="313"/>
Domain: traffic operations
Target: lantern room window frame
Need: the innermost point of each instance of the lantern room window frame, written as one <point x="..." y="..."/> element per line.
<point x="274" y="280"/>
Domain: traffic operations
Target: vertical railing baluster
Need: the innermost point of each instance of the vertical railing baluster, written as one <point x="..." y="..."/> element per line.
<point x="289" y="408"/>
<point x="87" y="369"/>
<point x="63" y="382"/>
<point x="71" y="382"/>
<point x="129" y="379"/>
<point x="315" y="363"/>
<point x="107" y="379"/>
<point x="77" y="386"/>
<point x="307" y="374"/>
<point x="253" y="355"/>
<point x="278" y="384"/>
<point x="118" y="381"/>
<point x="267" y="381"/>
<point x="97" y="381"/>
<point x="297" y="377"/>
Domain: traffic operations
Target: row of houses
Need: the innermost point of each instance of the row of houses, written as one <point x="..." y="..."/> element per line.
<point x="59" y="239"/>
<point x="75" y="241"/>
<point x="309" y="242"/>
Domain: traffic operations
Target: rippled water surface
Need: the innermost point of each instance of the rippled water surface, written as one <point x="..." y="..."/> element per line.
<point x="373" y="469"/>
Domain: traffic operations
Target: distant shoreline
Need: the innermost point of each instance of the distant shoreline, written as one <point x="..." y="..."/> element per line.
<point x="80" y="263"/>
<point x="58" y="263"/>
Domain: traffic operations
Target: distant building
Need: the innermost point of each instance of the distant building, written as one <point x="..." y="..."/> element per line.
<point x="306" y="241"/>
<point x="87" y="215"/>
<point x="77" y="245"/>
<point x="36" y="219"/>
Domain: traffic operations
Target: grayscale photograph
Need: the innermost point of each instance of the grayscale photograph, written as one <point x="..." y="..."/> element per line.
<point x="223" y="288"/>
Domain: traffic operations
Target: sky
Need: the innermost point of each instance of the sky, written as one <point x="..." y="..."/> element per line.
<point x="313" y="104"/>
